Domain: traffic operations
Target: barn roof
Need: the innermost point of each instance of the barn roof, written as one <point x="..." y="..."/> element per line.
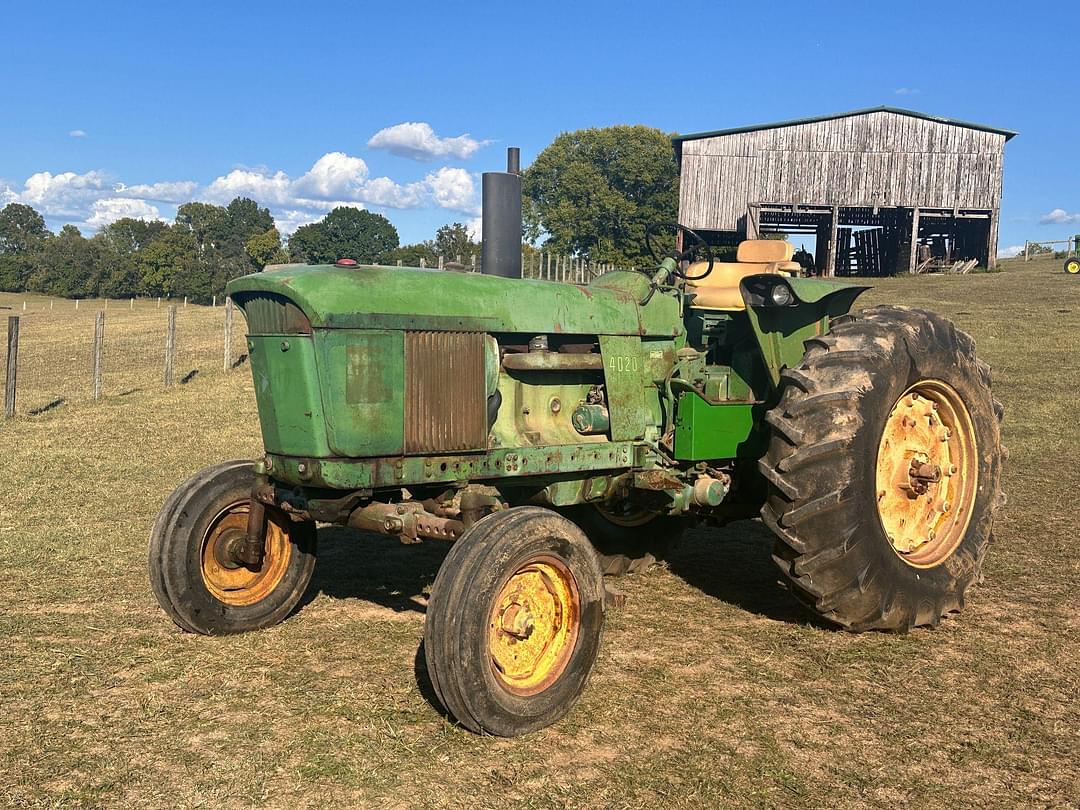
<point x="678" y="139"/>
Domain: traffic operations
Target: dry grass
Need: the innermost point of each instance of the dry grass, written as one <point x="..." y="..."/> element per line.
<point x="56" y="342"/>
<point x="713" y="688"/>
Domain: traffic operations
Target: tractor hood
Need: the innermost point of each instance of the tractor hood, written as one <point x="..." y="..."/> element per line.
<point x="375" y="297"/>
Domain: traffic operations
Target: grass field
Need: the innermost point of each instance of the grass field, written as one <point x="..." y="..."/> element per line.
<point x="713" y="688"/>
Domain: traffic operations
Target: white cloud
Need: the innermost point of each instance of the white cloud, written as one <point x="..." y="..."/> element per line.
<point x="107" y="211"/>
<point x="77" y="133"/>
<point x="1010" y="251"/>
<point x="258" y="185"/>
<point x="476" y="228"/>
<point x="907" y="91"/>
<point x="66" y="195"/>
<point x="179" y="191"/>
<point x="336" y="179"/>
<point x="1059" y="216"/>
<point x="453" y="189"/>
<point x="335" y="174"/>
<point x="385" y="192"/>
<point x="417" y="140"/>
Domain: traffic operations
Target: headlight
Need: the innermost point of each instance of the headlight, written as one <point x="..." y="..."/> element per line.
<point x="781" y="295"/>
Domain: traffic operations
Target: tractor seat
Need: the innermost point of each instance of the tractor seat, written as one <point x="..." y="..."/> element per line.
<point x="720" y="289"/>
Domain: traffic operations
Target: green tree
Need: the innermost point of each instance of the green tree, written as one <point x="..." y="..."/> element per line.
<point x="246" y="218"/>
<point x="345" y="233"/>
<point x="127" y="236"/>
<point x="209" y="224"/>
<point x="411" y="255"/>
<point x="170" y="265"/>
<point x="265" y="248"/>
<point x="453" y="240"/>
<point x="22" y="229"/>
<point x="593" y="191"/>
<point x="69" y="265"/>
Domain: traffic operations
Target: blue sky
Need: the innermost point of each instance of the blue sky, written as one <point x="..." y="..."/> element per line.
<point x="111" y="109"/>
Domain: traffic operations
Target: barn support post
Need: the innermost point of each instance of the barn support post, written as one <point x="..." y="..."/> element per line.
<point x="913" y="248"/>
<point x="753" y="217"/>
<point x="830" y="254"/>
<point x="992" y="240"/>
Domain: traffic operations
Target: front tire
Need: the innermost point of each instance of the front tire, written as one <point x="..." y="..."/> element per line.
<point x="514" y="622"/>
<point x="884" y="469"/>
<point x="1072" y="266"/>
<point x="193" y="579"/>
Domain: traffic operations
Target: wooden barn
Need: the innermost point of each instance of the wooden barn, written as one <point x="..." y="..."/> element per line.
<point x="882" y="190"/>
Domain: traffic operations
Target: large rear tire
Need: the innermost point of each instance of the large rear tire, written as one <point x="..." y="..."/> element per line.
<point x="884" y="469"/>
<point x="514" y="622"/>
<point x="197" y="584"/>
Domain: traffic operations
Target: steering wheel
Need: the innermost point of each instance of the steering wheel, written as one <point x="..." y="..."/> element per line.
<point x="698" y="245"/>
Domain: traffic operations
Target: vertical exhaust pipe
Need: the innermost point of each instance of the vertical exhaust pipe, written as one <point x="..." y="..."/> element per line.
<point x="500" y="254"/>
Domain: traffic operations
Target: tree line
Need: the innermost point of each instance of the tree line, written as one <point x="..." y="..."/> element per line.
<point x="589" y="195"/>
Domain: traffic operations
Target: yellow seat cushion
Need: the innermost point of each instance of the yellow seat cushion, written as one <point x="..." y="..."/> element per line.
<point x="765" y="250"/>
<point x="720" y="289"/>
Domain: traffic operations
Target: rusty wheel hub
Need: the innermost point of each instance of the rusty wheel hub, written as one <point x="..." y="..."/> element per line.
<point x="927" y="471"/>
<point x="534" y="626"/>
<point x="225" y="576"/>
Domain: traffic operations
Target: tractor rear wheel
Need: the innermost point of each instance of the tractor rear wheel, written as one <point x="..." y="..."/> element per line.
<point x="1072" y="266"/>
<point x="884" y="469"/>
<point x="627" y="541"/>
<point x="193" y="572"/>
<point x="514" y="622"/>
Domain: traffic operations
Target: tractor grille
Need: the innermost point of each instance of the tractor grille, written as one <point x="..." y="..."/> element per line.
<point x="445" y="406"/>
<point x="272" y="314"/>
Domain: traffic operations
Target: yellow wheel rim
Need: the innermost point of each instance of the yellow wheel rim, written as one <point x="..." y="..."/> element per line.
<point x="927" y="473"/>
<point x="234" y="584"/>
<point x="534" y="625"/>
<point x="1073" y="266"/>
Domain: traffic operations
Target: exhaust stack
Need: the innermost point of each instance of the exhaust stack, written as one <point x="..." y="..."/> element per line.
<point x="500" y="253"/>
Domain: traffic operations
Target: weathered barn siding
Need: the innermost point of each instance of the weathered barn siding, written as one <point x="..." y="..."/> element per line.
<point x="872" y="159"/>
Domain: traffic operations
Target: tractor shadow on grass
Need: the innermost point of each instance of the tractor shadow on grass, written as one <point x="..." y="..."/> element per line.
<point x="375" y="568"/>
<point x="734" y="565"/>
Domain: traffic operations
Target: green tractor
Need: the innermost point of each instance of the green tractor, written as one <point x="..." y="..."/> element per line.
<point x="1072" y="263"/>
<point x="553" y="432"/>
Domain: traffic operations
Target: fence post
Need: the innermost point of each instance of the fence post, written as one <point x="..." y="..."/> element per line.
<point x="12" y="365"/>
<point x="228" y="332"/>
<point x="440" y="262"/>
<point x="170" y="345"/>
<point x="399" y="262"/>
<point x="76" y="303"/>
<point x="99" y="344"/>
<point x="131" y="304"/>
<point x="185" y="302"/>
<point x="213" y="302"/>
<point x="159" y="301"/>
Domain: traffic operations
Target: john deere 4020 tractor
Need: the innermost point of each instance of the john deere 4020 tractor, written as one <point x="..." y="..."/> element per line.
<point x="553" y="432"/>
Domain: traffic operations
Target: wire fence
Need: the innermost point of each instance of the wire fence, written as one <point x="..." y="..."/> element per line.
<point x="68" y="353"/>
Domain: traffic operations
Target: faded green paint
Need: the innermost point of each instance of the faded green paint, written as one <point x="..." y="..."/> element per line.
<point x="782" y="331"/>
<point x="334" y="400"/>
<point x="624" y="379"/>
<point x="521" y="463"/>
<point x="404" y="298"/>
<point x="705" y="432"/>
<point x="363" y="382"/>
<point x="283" y="370"/>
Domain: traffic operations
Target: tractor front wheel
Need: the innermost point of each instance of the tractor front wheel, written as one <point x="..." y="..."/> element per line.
<point x="1072" y="266"/>
<point x="514" y="622"/>
<point x="884" y="469"/>
<point x="194" y="570"/>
